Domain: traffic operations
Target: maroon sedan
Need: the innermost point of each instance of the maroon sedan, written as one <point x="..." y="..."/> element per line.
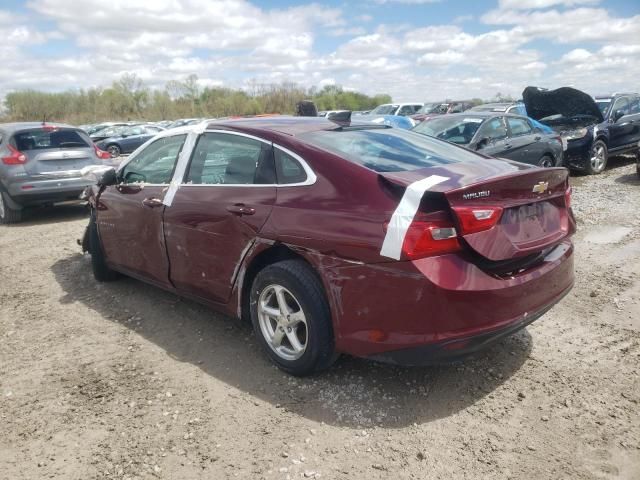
<point x="359" y="239"/>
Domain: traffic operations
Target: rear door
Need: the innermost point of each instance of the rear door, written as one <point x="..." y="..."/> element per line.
<point x="53" y="151"/>
<point x="228" y="193"/>
<point x="525" y="142"/>
<point x="129" y="214"/>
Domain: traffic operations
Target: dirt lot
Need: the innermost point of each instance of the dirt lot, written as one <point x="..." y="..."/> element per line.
<point x="123" y="380"/>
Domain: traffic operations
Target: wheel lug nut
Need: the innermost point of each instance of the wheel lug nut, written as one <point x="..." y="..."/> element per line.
<point x="289" y="329"/>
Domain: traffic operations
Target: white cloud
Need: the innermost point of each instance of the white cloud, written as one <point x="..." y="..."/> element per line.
<point x="534" y="4"/>
<point x="407" y="2"/>
<point x="227" y="42"/>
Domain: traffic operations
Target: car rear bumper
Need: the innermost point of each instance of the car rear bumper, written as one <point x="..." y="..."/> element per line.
<point x="459" y="348"/>
<point x="31" y="191"/>
<point x="434" y="305"/>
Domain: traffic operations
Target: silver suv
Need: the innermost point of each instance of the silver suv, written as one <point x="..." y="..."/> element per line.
<point x="40" y="164"/>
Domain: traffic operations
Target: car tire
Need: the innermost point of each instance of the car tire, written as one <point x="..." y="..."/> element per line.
<point x="101" y="272"/>
<point x="638" y="162"/>
<point x="114" y="150"/>
<point x="598" y="157"/>
<point x="546" y="161"/>
<point x="299" y="339"/>
<point x="8" y="214"/>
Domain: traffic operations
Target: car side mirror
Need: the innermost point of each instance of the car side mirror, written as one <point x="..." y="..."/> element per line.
<point x="108" y="178"/>
<point x="617" y="115"/>
<point x="482" y="143"/>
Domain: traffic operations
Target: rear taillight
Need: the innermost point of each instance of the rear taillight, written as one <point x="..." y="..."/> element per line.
<point x="567" y="197"/>
<point x="16" y="157"/>
<point x="101" y="154"/>
<point x="428" y="235"/>
<point x="477" y="219"/>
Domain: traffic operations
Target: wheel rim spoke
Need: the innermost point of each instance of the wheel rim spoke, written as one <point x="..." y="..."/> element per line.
<point x="270" y="311"/>
<point x="294" y="341"/>
<point x="282" y="301"/>
<point x="278" y="335"/>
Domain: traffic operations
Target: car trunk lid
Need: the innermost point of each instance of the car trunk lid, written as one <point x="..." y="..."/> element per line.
<point x="525" y="209"/>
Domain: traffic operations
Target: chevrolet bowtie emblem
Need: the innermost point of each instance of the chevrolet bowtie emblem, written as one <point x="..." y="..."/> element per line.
<point x="540" y="187"/>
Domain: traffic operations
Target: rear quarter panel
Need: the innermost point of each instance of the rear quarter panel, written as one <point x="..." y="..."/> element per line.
<point x="342" y="214"/>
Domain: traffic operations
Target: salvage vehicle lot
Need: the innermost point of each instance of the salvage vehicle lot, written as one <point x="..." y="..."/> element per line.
<point x="122" y="380"/>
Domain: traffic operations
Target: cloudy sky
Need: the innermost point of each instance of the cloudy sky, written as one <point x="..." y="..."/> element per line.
<point x="412" y="49"/>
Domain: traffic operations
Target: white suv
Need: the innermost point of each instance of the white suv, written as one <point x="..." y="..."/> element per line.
<point x="402" y="109"/>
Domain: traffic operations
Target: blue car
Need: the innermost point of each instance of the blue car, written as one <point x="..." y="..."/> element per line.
<point x="396" y="121"/>
<point x="128" y="139"/>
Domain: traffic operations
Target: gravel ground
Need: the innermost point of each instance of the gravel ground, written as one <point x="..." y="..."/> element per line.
<point x="123" y="380"/>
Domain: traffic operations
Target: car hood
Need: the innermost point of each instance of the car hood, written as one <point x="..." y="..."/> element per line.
<point x="566" y="101"/>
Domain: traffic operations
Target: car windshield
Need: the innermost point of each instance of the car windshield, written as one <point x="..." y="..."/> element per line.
<point x="112" y="131"/>
<point x="388" y="149"/>
<point x="434" y="108"/>
<point x="455" y="129"/>
<point x="384" y="110"/>
<point x="43" y="138"/>
<point x="603" y="104"/>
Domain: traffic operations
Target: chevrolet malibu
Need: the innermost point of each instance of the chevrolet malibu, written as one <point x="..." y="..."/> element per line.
<point x="338" y="237"/>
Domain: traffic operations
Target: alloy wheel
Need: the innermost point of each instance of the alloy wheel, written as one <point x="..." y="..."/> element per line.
<point x="546" y="162"/>
<point x="2" y="211"/>
<point x="598" y="158"/>
<point x="114" y="151"/>
<point x="282" y="322"/>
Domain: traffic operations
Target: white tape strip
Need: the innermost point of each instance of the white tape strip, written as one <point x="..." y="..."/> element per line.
<point x="403" y="215"/>
<point x="183" y="161"/>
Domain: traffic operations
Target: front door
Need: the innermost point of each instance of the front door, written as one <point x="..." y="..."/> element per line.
<point x="129" y="214"/>
<point x="493" y="134"/>
<point x="215" y="216"/>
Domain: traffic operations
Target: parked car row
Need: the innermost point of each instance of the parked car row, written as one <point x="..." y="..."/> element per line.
<point x="563" y="127"/>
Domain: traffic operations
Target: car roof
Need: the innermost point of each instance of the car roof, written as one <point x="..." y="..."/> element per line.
<point x="479" y="114"/>
<point x="289" y="125"/>
<point x="17" y="126"/>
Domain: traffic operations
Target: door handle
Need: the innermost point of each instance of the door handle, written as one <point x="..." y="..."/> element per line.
<point x="507" y="145"/>
<point x="241" y="209"/>
<point x="152" y="202"/>
<point x="537" y="138"/>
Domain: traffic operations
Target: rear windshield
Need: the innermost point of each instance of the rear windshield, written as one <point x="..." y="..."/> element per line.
<point x="40" y="139"/>
<point x="388" y="149"/>
<point x="455" y="129"/>
<point x="384" y="110"/>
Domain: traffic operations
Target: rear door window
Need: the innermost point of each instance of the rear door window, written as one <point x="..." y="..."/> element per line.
<point x="288" y="169"/>
<point x="634" y="106"/>
<point x="518" y="126"/>
<point x="42" y="139"/>
<point x="227" y="159"/>
<point x="154" y="164"/>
